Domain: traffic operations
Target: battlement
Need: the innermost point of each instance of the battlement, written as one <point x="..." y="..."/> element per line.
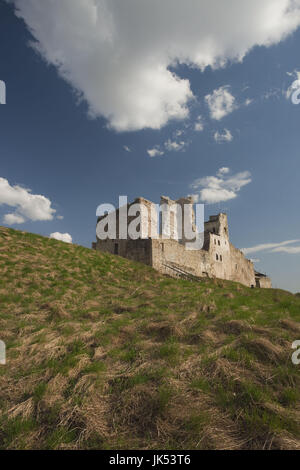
<point x="162" y="242"/>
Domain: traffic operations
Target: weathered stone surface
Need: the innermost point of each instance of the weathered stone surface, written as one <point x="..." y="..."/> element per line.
<point x="217" y="259"/>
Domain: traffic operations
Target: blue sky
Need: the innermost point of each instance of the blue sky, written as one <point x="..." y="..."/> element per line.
<point x="64" y="136"/>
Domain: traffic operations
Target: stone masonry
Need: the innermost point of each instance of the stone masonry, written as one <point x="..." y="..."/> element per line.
<point x="218" y="258"/>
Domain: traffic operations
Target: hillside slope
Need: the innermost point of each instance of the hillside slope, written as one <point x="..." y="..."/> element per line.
<point x="104" y="353"/>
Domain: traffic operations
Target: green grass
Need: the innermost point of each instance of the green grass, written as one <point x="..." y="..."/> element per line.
<point x="17" y="428"/>
<point x="106" y="353"/>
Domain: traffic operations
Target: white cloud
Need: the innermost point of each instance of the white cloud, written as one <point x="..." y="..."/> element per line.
<point x="220" y="103"/>
<point x="12" y="219"/>
<point x="223" y="171"/>
<point x="155" y="152"/>
<point x="173" y="146"/>
<point x="62" y="237"/>
<point x="60" y="217"/>
<point x="126" y="148"/>
<point x="222" y="187"/>
<point x="117" y="54"/>
<point x="199" y="127"/>
<point x="199" y="124"/>
<point x="255" y="260"/>
<point x="273" y="247"/>
<point x="178" y="133"/>
<point x="248" y="101"/>
<point x="27" y="206"/>
<point x="292" y="250"/>
<point x="221" y="137"/>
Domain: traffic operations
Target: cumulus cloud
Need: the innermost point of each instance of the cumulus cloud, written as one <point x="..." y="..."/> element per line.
<point x="27" y="206"/>
<point x="117" y="54"/>
<point x="248" y="101"/>
<point x="274" y="247"/>
<point x="13" y="219"/>
<point x="62" y="237"/>
<point x="220" y="103"/>
<point x="174" y="146"/>
<point x="199" y="124"/>
<point x="223" y="171"/>
<point x="126" y="148"/>
<point x="221" y="137"/>
<point x="222" y="187"/>
<point x="155" y="152"/>
<point x="170" y="145"/>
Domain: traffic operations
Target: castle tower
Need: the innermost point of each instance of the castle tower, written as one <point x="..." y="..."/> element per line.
<point x="218" y="224"/>
<point x="177" y="218"/>
<point x="187" y="219"/>
<point x="171" y="254"/>
<point x="168" y="218"/>
<point x="148" y="217"/>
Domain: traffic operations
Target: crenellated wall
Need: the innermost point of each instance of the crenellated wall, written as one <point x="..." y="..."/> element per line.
<point x="218" y="258"/>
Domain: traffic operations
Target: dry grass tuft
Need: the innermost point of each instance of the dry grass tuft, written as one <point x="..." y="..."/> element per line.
<point x="104" y="353"/>
<point x="22" y="410"/>
<point x="163" y="330"/>
<point x="235" y="327"/>
<point x="264" y="349"/>
<point x="290" y="325"/>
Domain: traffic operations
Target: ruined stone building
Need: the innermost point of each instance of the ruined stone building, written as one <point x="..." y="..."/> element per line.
<point x="217" y="258"/>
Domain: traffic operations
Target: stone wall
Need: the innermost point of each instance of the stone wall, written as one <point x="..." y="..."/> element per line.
<point x="136" y="250"/>
<point x="168" y="254"/>
<point x="219" y="254"/>
<point x="217" y="259"/>
<point x="242" y="269"/>
<point x="222" y="261"/>
<point x="263" y="281"/>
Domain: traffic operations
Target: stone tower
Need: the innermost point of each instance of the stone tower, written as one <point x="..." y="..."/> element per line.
<point x="218" y="224"/>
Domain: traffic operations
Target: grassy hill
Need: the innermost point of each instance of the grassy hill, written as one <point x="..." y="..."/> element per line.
<point x="104" y="353"/>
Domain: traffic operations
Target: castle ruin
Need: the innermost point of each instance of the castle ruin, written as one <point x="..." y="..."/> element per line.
<point x="217" y="258"/>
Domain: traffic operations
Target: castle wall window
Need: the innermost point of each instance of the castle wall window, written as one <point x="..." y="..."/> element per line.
<point x="219" y="243"/>
<point x="221" y="258"/>
<point x="215" y="241"/>
<point x="116" y="249"/>
<point x="217" y="257"/>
